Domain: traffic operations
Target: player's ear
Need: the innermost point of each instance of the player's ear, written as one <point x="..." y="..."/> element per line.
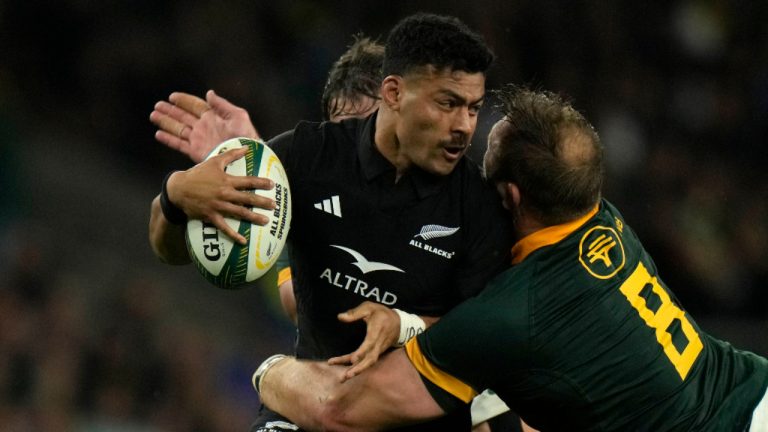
<point x="514" y="194"/>
<point x="391" y="89"/>
<point x="510" y="195"/>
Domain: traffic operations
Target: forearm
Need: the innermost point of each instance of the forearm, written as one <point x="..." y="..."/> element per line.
<point x="311" y="394"/>
<point x="167" y="240"/>
<point x="300" y="391"/>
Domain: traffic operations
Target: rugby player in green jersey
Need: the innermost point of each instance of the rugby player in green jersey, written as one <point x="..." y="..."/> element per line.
<point x="580" y="334"/>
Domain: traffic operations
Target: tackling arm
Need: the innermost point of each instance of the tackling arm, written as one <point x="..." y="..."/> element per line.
<point x="311" y="394"/>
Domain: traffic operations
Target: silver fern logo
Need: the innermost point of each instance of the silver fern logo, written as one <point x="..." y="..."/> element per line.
<point x="429" y="232"/>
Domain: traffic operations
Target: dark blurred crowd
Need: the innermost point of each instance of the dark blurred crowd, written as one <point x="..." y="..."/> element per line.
<point x="119" y="368"/>
<point x="97" y="335"/>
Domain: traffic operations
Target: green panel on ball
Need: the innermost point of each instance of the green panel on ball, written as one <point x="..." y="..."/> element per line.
<point x="253" y="158"/>
<point x="236" y="268"/>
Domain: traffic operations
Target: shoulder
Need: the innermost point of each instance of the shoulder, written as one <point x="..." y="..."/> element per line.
<point x="470" y="172"/>
<point x="302" y="134"/>
<point x="511" y="285"/>
<point x="328" y="134"/>
<point x="480" y="201"/>
<point x="478" y="192"/>
<point x="309" y="139"/>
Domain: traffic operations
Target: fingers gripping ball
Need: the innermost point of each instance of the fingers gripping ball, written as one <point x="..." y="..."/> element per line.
<point x="221" y="260"/>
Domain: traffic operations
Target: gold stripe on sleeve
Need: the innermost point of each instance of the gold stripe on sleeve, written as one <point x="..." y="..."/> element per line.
<point x="442" y="379"/>
<point x="283" y="276"/>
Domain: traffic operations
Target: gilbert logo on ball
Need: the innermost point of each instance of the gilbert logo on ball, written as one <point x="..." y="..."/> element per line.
<point x="219" y="259"/>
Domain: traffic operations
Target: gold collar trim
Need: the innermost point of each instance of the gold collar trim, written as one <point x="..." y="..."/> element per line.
<point x="547" y="236"/>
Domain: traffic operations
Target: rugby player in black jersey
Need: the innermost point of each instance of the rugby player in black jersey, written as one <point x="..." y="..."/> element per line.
<point x="581" y="333"/>
<point x="192" y="125"/>
<point x="409" y="222"/>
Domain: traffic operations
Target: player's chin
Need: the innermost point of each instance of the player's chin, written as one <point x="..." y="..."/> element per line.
<point x="443" y="167"/>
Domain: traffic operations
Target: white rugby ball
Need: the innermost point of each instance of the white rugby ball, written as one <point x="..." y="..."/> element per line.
<point x="224" y="262"/>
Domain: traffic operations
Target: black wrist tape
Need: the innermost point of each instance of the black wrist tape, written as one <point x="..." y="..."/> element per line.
<point x="172" y="213"/>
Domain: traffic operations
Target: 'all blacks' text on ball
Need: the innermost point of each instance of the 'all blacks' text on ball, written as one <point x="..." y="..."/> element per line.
<point x="278" y="223"/>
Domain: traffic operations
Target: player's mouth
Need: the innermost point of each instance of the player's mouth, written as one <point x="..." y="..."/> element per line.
<point x="453" y="152"/>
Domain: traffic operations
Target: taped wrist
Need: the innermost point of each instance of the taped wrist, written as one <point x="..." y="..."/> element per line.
<point x="410" y="326"/>
<point x="263" y="368"/>
<point x="172" y="213"/>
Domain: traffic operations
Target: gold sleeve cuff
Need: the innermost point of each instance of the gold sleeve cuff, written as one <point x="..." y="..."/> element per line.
<point x="442" y="379"/>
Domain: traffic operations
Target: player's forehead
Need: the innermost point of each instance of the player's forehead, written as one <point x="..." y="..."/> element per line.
<point x="458" y="83"/>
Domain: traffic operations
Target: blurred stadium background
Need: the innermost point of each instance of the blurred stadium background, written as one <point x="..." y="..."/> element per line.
<point x="97" y="335"/>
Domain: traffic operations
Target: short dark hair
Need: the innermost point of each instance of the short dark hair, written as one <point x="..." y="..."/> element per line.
<point x="551" y="152"/>
<point x="441" y="41"/>
<point x="356" y="73"/>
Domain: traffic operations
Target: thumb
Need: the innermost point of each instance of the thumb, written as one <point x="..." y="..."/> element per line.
<point x="220" y="106"/>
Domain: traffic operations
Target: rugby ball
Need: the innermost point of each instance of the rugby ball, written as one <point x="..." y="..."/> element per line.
<point x="224" y="262"/>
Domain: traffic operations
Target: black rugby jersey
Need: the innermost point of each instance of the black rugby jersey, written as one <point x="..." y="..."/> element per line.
<point x="421" y="244"/>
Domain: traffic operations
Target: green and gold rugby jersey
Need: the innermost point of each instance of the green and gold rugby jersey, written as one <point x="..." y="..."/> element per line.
<point x="582" y="334"/>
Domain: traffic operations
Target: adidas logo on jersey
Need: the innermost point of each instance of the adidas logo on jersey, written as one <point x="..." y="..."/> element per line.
<point x="331" y="205"/>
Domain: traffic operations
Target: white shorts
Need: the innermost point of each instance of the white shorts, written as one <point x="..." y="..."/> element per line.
<point x="760" y="416"/>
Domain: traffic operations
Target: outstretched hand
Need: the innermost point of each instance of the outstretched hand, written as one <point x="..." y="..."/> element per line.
<point x="207" y="192"/>
<point x="382" y="331"/>
<point x="194" y="126"/>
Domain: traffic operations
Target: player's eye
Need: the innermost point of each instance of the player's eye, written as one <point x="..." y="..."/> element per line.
<point x="448" y="103"/>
